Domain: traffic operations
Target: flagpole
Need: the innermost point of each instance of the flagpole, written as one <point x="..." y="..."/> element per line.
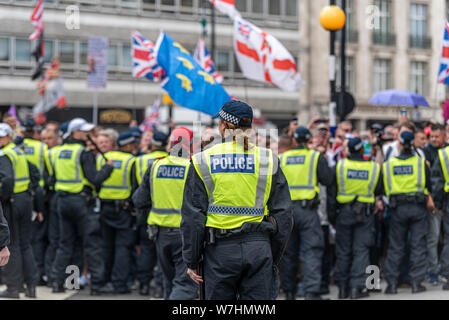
<point x="212" y="49"/>
<point x="95" y="107"/>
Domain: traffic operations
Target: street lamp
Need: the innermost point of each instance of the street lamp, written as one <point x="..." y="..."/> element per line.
<point x="333" y="18"/>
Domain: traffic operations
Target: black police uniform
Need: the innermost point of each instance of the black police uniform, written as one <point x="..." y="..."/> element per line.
<point x="353" y="237"/>
<point x="6" y="190"/>
<point x="307" y="234"/>
<point x="408" y="216"/>
<point x="238" y="254"/>
<point x="77" y="219"/>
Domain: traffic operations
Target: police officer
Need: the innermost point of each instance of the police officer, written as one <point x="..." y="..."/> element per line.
<point x="304" y="169"/>
<point x="37" y="153"/>
<point x="147" y="259"/>
<point x="358" y="182"/>
<point x="236" y="195"/>
<point x="161" y="190"/>
<point x="18" y="213"/>
<point x="440" y="194"/>
<point x="116" y="207"/>
<point x="4" y="238"/>
<point x="407" y="181"/>
<point x="75" y="178"/>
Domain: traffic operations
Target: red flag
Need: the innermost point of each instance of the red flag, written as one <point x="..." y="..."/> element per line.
<point x="37" y="20"/>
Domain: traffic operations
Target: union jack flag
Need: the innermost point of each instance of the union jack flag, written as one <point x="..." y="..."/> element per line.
<point x="204" y="59"/>
<point x="443" y="74"/>
<point x="144" y="59"/>
<point x="152" y="120"/>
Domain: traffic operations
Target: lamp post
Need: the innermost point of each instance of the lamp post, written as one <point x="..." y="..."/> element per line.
<point x="332" y="18"/>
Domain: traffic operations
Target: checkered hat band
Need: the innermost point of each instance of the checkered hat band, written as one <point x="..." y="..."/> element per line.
<point x="229" y="117"/>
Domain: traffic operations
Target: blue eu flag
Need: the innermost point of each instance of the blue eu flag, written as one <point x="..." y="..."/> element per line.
<point x="187" y="83"/>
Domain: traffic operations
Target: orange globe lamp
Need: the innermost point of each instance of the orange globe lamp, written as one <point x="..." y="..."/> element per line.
<point x="332" y="18"/>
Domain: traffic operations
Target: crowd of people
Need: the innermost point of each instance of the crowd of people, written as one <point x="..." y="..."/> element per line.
<point x="87" y="196"/>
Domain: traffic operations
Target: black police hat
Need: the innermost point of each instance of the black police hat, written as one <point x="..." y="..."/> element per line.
<point x="159" y="139"/>
<point x="28" y="125"/>
<point x="125" y="138"/>
<point x="355" y="144"/>
<point x="302" y="133"/>
<point x="407" y="137"/>
<point x="234" y="111"/>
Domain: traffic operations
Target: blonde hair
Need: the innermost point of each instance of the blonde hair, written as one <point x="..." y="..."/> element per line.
<point x="239" y="134"/>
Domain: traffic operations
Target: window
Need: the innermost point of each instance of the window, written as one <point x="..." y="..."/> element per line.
<point x="274" y="7"/>
<point x="83" y="52"/>
<point x="240" y="5"/>
<point x="236" y="65"/>
<point x="66" y="52"/>
<point x="258" y="6"/>
<point x="113" y="55"/>
<point x="4" y="49"/>
<point x="418" y="25"/>
<point x="126" y="55"/>
<point x="418" y="72"/>
<point x="187" y="3"/>
<point x="222" y="61"/>
<point x="383" y="35"/>
<point x="168" y="2"/>
<point x="382" y="75"/>
<point x="291" y="8"/>
<point x="350" y="74"/>
<point x="49" y="50"/>
<point x="23" y="50"/>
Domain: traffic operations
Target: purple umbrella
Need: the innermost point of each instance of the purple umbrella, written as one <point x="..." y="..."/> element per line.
<point x="398" y="97"/>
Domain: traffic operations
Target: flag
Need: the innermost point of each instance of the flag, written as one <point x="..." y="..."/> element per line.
<point x="39" y="56"/>
<point x="37" y="20"/>
<point x="187" y="83"/>
<point x="226" y="7"/>
<point x="54" y="96"/>
<point x="204" y="59"/>
<point x="443" y="74"/>
<point x="152" y="120"/>
<point x="12" y="111"/>
<point x="263" y="58"/>
<point x="144" y="59"/>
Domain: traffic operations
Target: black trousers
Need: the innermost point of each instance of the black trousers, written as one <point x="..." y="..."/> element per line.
<point x="353" y="241"/>
<point x="76" y="219"/>
<point x="240" y="267"/>
<point x="326" y="263"/>
<point x="308" y="234"/>
<point x="444" y="257"/>
<point x="39" y="240"/>
<point x="405" y="218"/>
<point x="147" y="260"/>
<point x="21" y="266"/>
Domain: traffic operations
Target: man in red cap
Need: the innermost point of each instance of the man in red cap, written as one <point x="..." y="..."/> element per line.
<point x="161" y="192"/>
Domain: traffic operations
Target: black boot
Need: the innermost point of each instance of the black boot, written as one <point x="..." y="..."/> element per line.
<point x="392" y="288"/>
<point x="58" y="287"/>
<point x="324" y="290"/>
<point x="290" y="296"/>
<point x="106" y="289"/>
<point x="446" y="286"/>
<point x="417" y="287"/>
<point x="343" y="292"/>
<point x="312" y="296"/>
<point x="144" y="290"/>
<point x="10" y="293"/>
<point x="357" y="293"/>
<point x="30" y="291"/>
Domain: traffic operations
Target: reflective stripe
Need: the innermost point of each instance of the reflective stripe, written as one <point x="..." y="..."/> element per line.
<point x="420" y="175"/>
<point x="41" y="159"/>
<point x="235" y="211"/>
<point x="373" y="179"/>
<point x="152" y="181"/>
<point x="342" y="177"/>
<point x="22" y="179"/>
<point x="140" y="167"/>
<point x="115" y="187"/>
<point x="69" y="181"/>
<point x="165" y="211"/>
<point x="388" y="174"/>
<point x="264" y="163"/>
<point x="312" y="165"/>
<point x="207" y="177"/>
<point x="302" y="187"/>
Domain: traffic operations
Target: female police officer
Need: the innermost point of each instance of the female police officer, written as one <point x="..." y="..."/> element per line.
<point x="237" y="196"/>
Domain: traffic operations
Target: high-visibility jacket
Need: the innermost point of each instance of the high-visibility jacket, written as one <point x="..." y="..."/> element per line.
<point x="68" y="171"/>
<point x="20" y="166"/>
<point x="167" y="180"/>
<point x="143" y="162"/>
<point x="118" y="185"/>
<point x="444" y="160"/>
<point x="238" y="183"/>
<point x="36" y="152"/>
<point x="405" y="176"/>
<point x="300" y="170"/>
<point x="357" y="179"/>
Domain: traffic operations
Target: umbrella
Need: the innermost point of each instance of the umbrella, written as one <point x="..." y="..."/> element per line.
<point x="398" y="97"/>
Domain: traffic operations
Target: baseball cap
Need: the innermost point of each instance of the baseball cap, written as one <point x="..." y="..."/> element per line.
<point x="159" y="139"/>
<point x="78" y="124"/>
<point x="183" y="135"/>
<point x="233" y="111"/>
<point x="125" y="138"/>
<point x="302" y="133"/>
<point x="355" y="144"/>
<point x="5" y="130"/>
<point x="407" y="137"/>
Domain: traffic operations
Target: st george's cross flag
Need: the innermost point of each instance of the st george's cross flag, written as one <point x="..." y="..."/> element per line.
<point x="226" y="7"/>
<point x="37" y="20"/>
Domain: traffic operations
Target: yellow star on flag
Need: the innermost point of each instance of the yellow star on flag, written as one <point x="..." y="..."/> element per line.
<point x="178" y="45"/>
<point x="186" y="63"/>
<point x="207" y="77"/>
<point x="186" y="83"/>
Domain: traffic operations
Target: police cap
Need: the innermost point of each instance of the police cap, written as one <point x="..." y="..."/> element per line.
<point x="302" y="134"/>
<point x="407" y="137"/>
<point x="125" y="138"/>
<point x="234" y="111"/>
<point x="355" y="144"/>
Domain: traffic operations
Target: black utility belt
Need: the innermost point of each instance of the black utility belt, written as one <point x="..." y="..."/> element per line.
<point x="309" y="204"/>
<point x="416" y="198"/>
<point x="217" y="235"/>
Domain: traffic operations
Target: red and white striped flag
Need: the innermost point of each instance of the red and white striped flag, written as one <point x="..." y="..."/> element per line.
<point x="227" y="7"/>
<point x="37" y="20"/>
<point x="263" y="58"/>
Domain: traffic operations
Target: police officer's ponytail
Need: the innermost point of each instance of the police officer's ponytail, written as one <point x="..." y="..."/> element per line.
<point x="239" y="133"/>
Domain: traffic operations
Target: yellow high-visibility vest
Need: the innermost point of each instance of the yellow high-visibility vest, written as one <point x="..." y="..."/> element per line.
<point x="20" y="166"/>
<point x="36" y="152"/>
<point x="444" y="160"/>
<point x="142" y="163"/>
